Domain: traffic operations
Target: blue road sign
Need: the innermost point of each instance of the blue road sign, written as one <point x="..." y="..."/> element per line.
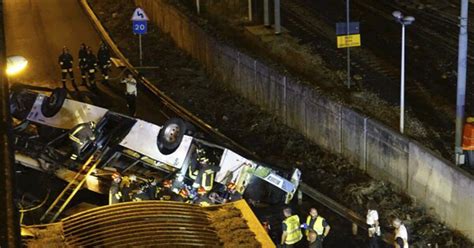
<point x="341" y="28"/>
<point x="139" y="27"/>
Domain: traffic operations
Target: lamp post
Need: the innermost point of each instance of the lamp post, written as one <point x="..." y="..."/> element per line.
<point x="404" y="21"/>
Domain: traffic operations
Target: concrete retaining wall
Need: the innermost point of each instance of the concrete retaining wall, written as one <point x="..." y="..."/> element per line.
<point x="383" y="153"/>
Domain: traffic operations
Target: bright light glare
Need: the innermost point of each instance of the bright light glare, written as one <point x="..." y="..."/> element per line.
<point x="16" y="64"/>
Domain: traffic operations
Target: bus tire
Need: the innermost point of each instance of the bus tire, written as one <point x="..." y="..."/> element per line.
<point x="52" y="104"/>
<point x="170" y="135"/>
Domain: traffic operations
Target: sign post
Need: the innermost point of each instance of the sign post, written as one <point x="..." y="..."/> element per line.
<point x="348" y="36"/>
<point x="140" y="27"/>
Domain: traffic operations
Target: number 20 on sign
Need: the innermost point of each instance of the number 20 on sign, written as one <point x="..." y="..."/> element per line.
<point x="139" y="27"/>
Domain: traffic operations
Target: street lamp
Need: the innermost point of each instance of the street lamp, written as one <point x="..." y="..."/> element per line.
<point x="404" y="21"/>
<point x="15" y="64"/>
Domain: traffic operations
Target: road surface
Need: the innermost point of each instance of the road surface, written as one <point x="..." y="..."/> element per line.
<point x="38" y="30"/>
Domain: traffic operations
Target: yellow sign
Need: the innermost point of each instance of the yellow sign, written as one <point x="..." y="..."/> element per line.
<point x="344" y="41"/>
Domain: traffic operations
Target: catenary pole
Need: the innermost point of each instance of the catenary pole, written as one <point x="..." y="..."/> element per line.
<point x="461" y="83"/>
<point x="402" y="83"/>
<point x="348" y="49"/>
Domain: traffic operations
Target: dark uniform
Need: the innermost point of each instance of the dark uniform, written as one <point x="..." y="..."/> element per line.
<point x="65" y="60"/>
<point x="91" y="62"/>
<point x="83" y="63"/>
<point x="103" y="57"/>
<point x="165" y="194"/>
<point x="114" y="195"/>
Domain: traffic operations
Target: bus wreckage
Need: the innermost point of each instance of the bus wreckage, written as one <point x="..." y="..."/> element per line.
<point x="134" y="160"/>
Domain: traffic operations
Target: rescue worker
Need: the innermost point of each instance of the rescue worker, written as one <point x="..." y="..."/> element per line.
<point x="91" y="63"/>
<point x="203" y="171"/>
<point x="291" y="229"/>
<point x="114" y="193"/>
<point x="318" y="224"/>
<point x="266" y="225"/>
<point x="182" y="196"/>
<point x="65" y="61"/>
<point x="165" y="193"/>
<point x="81" y="136"/>
<point x="82" y="55"/>
<point x="401" y="234"/>
<point x="126" y="188"/>
<point x="231" y="193"/>
<point x="372" y="221"/>
<point x="130" y="93"/>
<point x="202" y="198"/>
<point x="312" y="237"/>
<point x="103" y="57"/>
<point x="152" y="188"/>
<point x="147" y="190"/>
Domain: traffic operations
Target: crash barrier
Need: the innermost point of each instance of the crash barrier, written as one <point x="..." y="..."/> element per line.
<point x="347" y="213"/>
<point x="443" y="188"/>
<point x="9" y="229"/>
<point x="149" y="223"/>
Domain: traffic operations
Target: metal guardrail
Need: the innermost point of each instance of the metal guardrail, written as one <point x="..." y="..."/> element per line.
<point x="304" y="188"/>
<point x="339" y="209"/>
<point x="9" y="227"/>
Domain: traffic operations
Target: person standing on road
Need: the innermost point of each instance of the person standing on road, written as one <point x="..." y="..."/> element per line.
<point x="65" y="61"/>
<point x="372" y="221"/>
<point x="130" y="93"/>
<point x="103" y="57"/>
<point x="291" y="229"/>
<point x="400" y="234"/>
<point x="91" y="62"/>
<point x="82" y="55"/>
<point x="318" y="224"/>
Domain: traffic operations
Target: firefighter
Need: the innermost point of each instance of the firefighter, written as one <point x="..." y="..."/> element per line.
<point x="203" y="171"/>
<point x="91" y="63"/>
<point x="114" y="194"/>
<point x="130" y="93"/>
<point x="202" y="198"/>
<point x="103" y="57"/>
<point x="231" y="193"/>
<point x="182" y="196"/>
<point x="82" y="55"/>
<point x="165" y="193"/>
<point x="318" y="224"/>
<point x="126" y="189"/>
<point x="65" y="61"/>
<point x="291" y="229"/>
<point x="81" y="136"/>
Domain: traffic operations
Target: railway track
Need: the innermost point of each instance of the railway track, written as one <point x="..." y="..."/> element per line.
<point x="381" y="75"/>
<point x="316" y="29"/>
<point x="434" y="27"/>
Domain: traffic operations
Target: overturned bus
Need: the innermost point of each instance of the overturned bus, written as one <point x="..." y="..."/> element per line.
<point x="46" y="138"/>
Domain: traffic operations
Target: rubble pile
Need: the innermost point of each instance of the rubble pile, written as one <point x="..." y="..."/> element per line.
<point x="231" y="227"/>
<point x="186" y="82"/>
